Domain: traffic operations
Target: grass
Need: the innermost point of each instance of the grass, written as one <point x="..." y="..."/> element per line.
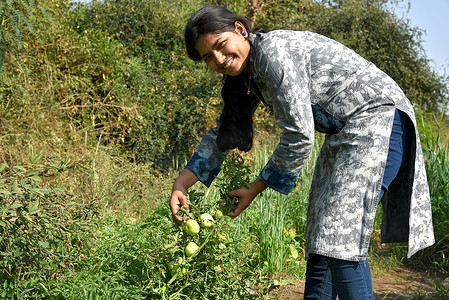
<point x="82" y="118"/>
<point x="133" y="239"/>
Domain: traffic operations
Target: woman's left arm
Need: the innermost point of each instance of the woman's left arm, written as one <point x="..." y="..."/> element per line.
<point x="284" y="70"/>
<point x="286" y="79"/>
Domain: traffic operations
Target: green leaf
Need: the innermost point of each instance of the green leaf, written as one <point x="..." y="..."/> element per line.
<point x="15" y="205"/>
<point x="37" y="159"/>
<point x="5" y="192"/>
<point x="19" y="168"/>
<point x="3" y="166"/>
<point x="34" y="159"/>
<point x="3" y="224"/>
<point x="36" y="178"/>
<point x="293" y="251"/>
<point x="31" y="173"/>
<point x="39" y="191"/>
<point x="44" y="244"/>
<point x="33" y="207"/>
<point x="15" y="187"/>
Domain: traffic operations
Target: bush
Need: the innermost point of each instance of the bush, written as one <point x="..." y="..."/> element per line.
<point x="374" y="32"/>
<point x="171" y="92"/>
<point x="41" y="229"/>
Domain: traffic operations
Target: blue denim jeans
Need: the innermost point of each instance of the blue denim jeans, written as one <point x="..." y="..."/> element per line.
<point x="328" y="277"/>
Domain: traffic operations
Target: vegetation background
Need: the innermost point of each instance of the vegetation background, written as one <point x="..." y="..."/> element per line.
<point x="100" y="108"/>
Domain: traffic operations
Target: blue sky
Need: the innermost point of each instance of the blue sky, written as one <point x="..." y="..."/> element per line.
<point x="432" y="16"/>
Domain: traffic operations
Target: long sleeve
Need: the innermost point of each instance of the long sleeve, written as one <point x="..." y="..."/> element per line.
<point x="283" y="76"/>
<point x="207" y="160"/>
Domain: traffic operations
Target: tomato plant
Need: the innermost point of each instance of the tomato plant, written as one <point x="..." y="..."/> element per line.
<point x="201" y="246"/>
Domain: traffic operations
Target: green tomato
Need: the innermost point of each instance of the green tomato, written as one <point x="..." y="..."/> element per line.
<point x="218" y="214"/>
<point x="190" y="249"/>
<point x="183" y="271"/>
<point x="171" y="265"/>
<point x="174" y="265"/>
<point x="220" y="238"/>
<point x="177" y="266"/>
<point x="206" y="220"/>
<point x="191" y="227"/>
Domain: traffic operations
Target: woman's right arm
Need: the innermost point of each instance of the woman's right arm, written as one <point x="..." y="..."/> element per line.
<point x="179" y="193"/>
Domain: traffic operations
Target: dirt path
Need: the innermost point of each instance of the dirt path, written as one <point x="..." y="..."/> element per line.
<point x="400" y="284"/>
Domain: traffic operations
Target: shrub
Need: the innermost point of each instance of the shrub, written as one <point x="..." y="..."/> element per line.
<point x="373" y="31"/>
<point x="41" y="229"/>
<point x="171" y="92"/>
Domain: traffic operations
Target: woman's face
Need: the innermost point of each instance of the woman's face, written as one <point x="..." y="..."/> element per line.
<point x="227" y="52"/>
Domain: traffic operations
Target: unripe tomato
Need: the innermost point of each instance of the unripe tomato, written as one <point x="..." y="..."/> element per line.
<point x="174" y="265"/>
<point x="206" y="220"/>
<point x="183" y="271"/>
<point x="191" y="227"/>
<point x="218" y="214"/>
<point x="190" y="249"/>
<point x="177" y="266"/>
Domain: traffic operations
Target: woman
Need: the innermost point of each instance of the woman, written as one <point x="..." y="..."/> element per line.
<point x="371" y="149"/>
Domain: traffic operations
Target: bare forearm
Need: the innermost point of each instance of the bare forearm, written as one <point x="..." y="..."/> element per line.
<point x="185" y="180"/>
<point x="257" y="187"/>
<point x="179" y="193"/>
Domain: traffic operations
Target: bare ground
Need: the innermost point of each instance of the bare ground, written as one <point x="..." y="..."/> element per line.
<point x="400" y="283"/>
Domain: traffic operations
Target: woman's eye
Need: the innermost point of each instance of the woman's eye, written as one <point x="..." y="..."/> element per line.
<point x="221" y="44"/>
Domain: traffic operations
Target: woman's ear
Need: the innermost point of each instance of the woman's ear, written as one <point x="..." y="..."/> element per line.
<point x="240" y="29"/>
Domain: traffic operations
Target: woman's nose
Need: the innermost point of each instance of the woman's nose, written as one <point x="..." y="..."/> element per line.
<point x="219" y="58"/>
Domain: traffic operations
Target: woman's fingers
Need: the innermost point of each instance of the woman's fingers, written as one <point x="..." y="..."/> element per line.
<point x="240" y="207"/>
<point x="245" y="199"/>
<point x="177" y="200"/>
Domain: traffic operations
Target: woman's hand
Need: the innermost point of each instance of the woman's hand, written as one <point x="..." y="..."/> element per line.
<point x="178" y="199"/>
<point x="179" y="194"/>
<point x="246" y="196"/>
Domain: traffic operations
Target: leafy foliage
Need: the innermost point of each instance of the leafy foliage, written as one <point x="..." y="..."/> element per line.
<point x="40" y="228"/>
<point x="235" y="174"/>
<point x="116" y="72"/>
<point x="436" y="153"/>
<point x="373" y="31"/>
<point x="154" y="74"/>
<point x="19" y="19"/>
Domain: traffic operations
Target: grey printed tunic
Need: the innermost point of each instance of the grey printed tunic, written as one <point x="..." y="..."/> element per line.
<point x="315" y="83"/>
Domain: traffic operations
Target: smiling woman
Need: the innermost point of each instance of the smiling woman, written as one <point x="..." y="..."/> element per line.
<point x="371" y="150"/>
<point x="227" y="52"/>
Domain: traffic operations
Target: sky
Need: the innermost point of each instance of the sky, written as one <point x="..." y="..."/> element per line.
<point x="432" y="16"/>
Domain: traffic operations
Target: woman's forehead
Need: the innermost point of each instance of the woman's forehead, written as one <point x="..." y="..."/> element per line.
<point x="206" y="42"/>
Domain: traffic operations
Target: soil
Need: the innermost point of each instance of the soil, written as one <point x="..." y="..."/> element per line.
<point x="400" y="283"/>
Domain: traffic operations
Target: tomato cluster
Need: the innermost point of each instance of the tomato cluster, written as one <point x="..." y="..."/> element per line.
<point x="192" y="228"/>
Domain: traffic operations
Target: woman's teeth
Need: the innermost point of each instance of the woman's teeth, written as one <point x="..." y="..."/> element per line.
<point x="229" y="63"/>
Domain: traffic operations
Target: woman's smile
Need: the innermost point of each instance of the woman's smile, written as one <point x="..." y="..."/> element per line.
<point x="229" y="63"/>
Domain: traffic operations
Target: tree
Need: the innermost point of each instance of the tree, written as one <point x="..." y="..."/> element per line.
<point x="19" y="20"/>
<point x="373" y="31"/>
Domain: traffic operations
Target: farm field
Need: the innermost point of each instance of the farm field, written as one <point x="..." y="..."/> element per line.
<point x="100" y="109"/>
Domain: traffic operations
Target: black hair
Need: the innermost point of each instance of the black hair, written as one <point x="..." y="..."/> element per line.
<point x="236" y="120"/>
<point x="210" y="19"/>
